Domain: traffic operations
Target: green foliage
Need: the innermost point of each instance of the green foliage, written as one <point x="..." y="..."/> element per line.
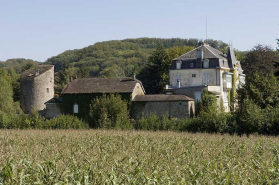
<point x="208" y="104"/>
<point x="118" y="58"/>
<point x="262" y="89"/>
<point x="109" y="111"/>
<point x="18" y="64"/>
<point x="260" y="59"/>
<point x="155" y="75"/>
<point x="250" y="117"/>
<point x="65" y="122"/>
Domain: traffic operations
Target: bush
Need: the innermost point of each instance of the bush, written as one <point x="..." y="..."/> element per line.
<point x="109" y="111"/>
<point x="65" y="122"/>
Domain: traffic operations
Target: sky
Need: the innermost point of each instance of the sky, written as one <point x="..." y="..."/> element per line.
<point x="40" y="29"/>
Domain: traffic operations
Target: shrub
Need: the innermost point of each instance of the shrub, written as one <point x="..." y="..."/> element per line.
<point x="65" y="122"/>
<point x="109" y="111"/>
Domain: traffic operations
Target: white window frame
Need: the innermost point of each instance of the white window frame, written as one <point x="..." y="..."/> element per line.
<point x="206" y="63"/>
<point x="205" y="78"/>
<point x="75" y="108"/>
<point x="178" y="64"/>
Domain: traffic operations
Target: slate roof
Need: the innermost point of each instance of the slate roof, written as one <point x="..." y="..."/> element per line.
<point x="101" y="85"/>
<point x="208" y="52"/>
<point x="231" y="57"/>
<point x="36" y="71"/>
<point x="161" y="98"/>
<point x="216" y="58"/>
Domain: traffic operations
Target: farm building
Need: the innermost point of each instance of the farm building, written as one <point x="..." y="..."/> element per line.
<point x="79" y="93"/>
<point x="177" y="106"/>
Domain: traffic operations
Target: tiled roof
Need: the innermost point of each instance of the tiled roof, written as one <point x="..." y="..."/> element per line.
<point x="36" y="71"/>
<point x="101" y="85"/>
<point x="162" y="97"/>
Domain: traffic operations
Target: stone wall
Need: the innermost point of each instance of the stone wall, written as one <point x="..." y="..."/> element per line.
<point x="193" y="77"/>
<point x="52" y="110"/>
<point x="176" y="109"/>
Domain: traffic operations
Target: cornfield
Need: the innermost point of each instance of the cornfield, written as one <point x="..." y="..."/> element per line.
<point x="135" y="157"/>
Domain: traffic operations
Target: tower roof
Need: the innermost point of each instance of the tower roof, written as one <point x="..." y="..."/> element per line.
<point x="36" y="71"/>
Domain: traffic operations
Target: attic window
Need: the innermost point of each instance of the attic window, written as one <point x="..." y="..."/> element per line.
<point x="75" y="108"/>
<point x="178" y="64"/>
<point x="206" y="63"/>
<point x="191" y="64"/>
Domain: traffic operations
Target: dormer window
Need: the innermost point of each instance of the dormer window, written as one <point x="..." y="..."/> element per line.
<point x="205" y="63"/>
<point x="178" y="64"/>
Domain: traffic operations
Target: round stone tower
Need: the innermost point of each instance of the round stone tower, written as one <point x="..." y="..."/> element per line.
<point x="36" y="88"/>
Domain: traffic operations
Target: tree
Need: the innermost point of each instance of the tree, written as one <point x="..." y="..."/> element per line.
<point x="262" y="89"/>
<point x="109" y="111"/>
<point x="155" y="75"/>
<point x="260" y="59"/>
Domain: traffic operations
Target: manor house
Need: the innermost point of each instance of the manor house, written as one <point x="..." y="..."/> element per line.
<point x="206" y="68"/>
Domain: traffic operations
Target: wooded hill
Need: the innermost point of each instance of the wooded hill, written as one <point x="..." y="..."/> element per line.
<point x="119" y="57"/>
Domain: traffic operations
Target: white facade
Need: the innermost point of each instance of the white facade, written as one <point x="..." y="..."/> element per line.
<point x="206" y="68"/>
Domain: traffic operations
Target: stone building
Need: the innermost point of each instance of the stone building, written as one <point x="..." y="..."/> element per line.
<point x="52" y="108"/>
<point x="176" y="106"/>
<point x="206" y="68"/>
<point x="79" y="93"/>
<point x="36" y="88"/>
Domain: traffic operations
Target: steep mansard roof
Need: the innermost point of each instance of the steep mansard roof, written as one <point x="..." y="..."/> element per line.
<point x="101" y="85"/>
<point x="216" y="58"/>
<point x="208" y="52"/>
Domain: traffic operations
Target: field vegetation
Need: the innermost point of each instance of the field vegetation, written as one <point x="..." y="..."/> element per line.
<point x="135" y="157"/>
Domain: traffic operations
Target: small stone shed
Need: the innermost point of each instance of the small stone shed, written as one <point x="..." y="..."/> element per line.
<point x="176" y="106"/>
<point x="52" y="108"/>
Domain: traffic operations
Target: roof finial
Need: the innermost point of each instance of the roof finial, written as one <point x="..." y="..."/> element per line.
<point x="206" y="29"/>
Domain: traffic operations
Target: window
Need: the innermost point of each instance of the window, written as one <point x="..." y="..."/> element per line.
<point x="197" y="96"/>
<point x="193" y="75"/>
<point x="205" y="78"/>
<point x="227" y="80"/>
<point x="75" y="108"/>
<point x="47" y="90"/>
<point x="191" y="64"/>
<point x="178" y="64"/>
<point x="178" y="77"/>
<point x="206" y="63"/>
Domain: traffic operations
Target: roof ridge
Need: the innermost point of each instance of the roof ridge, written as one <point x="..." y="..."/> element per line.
<point x="187" y="52"/>
<point x="211" y="51"/>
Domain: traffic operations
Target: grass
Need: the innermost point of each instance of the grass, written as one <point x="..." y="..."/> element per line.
<point x="131" y="157"/>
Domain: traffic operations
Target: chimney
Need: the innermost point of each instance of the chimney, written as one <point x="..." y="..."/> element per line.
<point x="71" y="79"/>
<point x="199" y="53"/>
<point x="134" y="76"/>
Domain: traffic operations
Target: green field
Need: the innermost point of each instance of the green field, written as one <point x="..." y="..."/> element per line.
<point x="131" y="157"/>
